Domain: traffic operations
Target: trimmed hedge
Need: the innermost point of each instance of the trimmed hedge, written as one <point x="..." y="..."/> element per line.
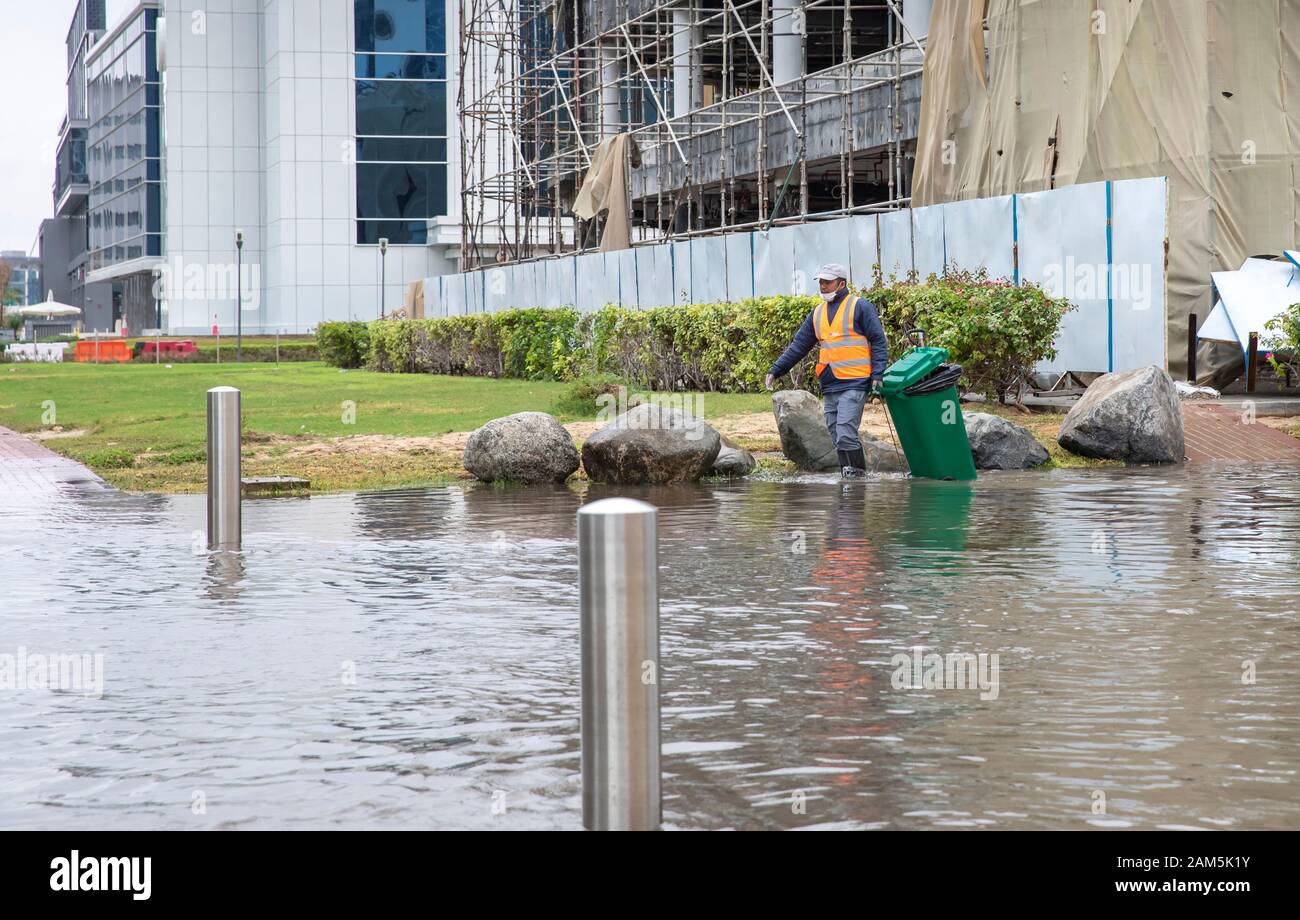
<point x="253" y="353"/>
<point x="344" y="344"/>
<point x="996" y="330"/>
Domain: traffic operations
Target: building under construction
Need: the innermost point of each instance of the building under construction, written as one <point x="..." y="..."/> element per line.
<point x="738" y="114"/>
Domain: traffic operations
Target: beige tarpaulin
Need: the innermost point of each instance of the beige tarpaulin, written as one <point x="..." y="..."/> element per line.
<point x="1205" y="92"/>
<point x="413" y="301"/>
<point x="605" y="187"/>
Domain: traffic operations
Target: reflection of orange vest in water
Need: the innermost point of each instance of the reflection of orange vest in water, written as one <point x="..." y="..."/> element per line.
<point x="846" y="353"/>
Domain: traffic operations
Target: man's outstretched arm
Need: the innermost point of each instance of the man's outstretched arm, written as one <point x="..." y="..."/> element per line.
<point x="799" y="346"/>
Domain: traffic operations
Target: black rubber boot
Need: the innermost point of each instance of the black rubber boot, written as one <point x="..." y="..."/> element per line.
<point x="851" y="464"/>
<point x="858" y="459"/>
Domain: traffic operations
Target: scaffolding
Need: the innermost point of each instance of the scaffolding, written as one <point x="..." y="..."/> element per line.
<point x="745" y="114"/>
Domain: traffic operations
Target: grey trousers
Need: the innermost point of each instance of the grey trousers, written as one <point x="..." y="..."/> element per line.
<point x="844" y="417"/>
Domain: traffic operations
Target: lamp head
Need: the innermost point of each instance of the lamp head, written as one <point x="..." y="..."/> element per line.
<point x="383" y="244"/>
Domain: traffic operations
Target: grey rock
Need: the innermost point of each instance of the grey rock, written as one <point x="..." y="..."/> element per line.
<point x="999" y="444"/>
<point x="651" y="444"/>
<point x="881" y="456"/>
<point x="802" y="427"/>
<point x="525" y="447"/>
<point x="1133" y="416"/>
<point x="733" y="460"/>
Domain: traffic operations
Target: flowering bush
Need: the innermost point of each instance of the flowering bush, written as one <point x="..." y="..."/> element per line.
<point x="1283" y="341"/>
<point x="997" y="331"/>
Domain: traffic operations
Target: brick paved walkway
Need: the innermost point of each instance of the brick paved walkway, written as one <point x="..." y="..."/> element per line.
<point x="1219" y="433"/>
<point x="28" y="469"/>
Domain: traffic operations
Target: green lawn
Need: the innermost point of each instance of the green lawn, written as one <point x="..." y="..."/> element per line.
<point x="143" y="426"/>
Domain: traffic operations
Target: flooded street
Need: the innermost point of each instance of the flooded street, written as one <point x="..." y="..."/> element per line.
<point x="410" y="659"/>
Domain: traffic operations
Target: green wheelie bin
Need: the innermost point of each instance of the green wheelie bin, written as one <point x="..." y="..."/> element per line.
<point x="920" y="393"/>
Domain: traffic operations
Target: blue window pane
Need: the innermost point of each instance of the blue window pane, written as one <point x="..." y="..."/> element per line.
<point x="385" y="107"/>
<point x="401" y="190"/>
<point x="402" y="66"/>
<point x="402" y="149"/>
<point x="400" y="25"/>
<point x="396" y="232"/>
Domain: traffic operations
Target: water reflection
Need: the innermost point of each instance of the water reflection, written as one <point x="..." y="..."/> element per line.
<point x="402" y="658"/>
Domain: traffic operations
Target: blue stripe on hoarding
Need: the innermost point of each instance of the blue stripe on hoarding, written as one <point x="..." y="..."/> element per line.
<point x="1015" y="239"/>
<point x="1110" y="301"/>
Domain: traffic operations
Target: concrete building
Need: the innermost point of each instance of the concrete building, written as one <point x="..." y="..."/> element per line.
<point x="315" y="127"/>
<point x="24" y="285"/>
<point x="124" y="165"/>
<point x="63" y="240"/>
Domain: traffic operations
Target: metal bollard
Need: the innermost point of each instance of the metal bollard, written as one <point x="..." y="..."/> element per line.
<point x="618" y="577"/>
<point x="224" y="525"/>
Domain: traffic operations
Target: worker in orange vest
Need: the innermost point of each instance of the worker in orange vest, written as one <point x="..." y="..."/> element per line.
<point x="851" y="359"/>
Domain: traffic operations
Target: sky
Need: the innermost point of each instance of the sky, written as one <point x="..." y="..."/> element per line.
<point x="33" y="101"/>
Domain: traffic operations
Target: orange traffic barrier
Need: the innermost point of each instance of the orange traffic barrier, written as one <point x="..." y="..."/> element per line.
<point x="104" y="350"/>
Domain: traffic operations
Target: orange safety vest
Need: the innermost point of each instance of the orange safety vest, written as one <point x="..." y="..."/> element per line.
<point x="841" y="348"/>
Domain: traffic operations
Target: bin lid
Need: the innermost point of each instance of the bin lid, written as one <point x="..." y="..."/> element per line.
<point x="912" y="368"/>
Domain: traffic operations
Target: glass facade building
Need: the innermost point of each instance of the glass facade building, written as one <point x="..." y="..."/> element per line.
<point x="400" y="84"/>
<point x="124" y="146"/>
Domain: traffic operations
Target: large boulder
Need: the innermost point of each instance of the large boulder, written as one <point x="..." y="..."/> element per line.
<point x="524" y="447"/>
<point x="802" y="426"/>
<point x="1132" y="416"/>
<point x="733" y="460"/>
<point x="999" y="444"/>
<point x="651" y="444"/>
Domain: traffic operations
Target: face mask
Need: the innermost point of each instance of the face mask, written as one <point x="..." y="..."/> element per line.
<point x="829" y="296"/>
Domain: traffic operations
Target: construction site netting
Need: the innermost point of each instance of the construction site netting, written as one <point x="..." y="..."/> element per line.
<point x="1025" y="95"/>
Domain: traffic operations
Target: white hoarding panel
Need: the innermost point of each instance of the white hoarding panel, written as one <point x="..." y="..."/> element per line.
<point x="1062" y="242"/>
<point x="895" y="244"/>
<point x="775" y="271"/>
<point x="1137" y="273"/>
<point x="928" y="241"/>
<point x="708" y="270"/>
<point x="863" y="249"/>
<point x="980" y="234"/>
<point x="740" y="265"/>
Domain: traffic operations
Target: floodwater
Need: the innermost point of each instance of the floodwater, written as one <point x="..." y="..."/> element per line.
<point x="410" y="659"/>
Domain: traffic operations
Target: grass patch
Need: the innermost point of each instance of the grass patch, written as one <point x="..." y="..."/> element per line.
<point x="144" y="426"/>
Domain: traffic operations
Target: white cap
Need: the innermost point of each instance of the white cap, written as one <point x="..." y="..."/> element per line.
<point x="832" y="271"/>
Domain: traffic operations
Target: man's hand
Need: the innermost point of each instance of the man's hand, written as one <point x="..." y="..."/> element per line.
<point x="770" y="382"/>
<point x="873" y="393"/>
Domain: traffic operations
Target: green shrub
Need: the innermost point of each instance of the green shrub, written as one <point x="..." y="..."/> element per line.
<point x="997" y="331"/>
<point x="253" y="352"/>
<point x="343" y="344"/>
<point x="1283" y="341"/>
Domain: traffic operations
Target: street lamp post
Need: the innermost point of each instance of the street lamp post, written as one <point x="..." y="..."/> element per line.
<point x="239" y="296"/>
<point x="383" y="264"/>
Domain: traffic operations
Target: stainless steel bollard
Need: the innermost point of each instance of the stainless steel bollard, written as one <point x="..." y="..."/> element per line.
<point x="619" y="596"/>
<point x="224" y="524"/>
